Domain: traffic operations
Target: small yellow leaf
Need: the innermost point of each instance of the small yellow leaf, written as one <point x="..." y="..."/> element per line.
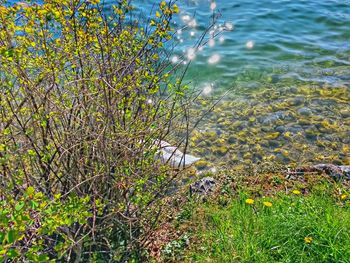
<point x="176" y="9"/>
<point x="2" y="147"/>
<point x="30" y="190"/>
<point x="162" y="5"/>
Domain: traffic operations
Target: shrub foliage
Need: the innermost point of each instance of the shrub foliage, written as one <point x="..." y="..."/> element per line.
<point x="85" y="97"/>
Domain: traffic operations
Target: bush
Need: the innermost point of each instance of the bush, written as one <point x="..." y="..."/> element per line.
<point x="85" y="97"/>
<point x="34" y="227"/>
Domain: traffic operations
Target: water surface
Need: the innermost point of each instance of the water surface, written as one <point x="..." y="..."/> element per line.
<point x="302" y="40"/>
<point x="286" y="69"/>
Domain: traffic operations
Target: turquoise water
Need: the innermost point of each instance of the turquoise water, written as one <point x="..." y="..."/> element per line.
<point x="284" y="67"/>
<point x="304" y="40"/>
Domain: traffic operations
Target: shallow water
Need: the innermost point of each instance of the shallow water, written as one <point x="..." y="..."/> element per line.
<point x="285" y="67"/>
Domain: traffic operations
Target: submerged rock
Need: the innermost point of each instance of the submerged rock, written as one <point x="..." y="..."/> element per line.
<point x="221" y="151"/>
<point x="345" y="113"/>
<point x="298" y="100"/>
<point x="280" y="129"/>
<point x="232" y="140"/>
<point x="305" y="111"/>
<point x="202" y="164"/>
<point x="272" y="118"/>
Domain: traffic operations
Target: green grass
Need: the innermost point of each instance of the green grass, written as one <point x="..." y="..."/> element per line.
<point x="239" y="232"/>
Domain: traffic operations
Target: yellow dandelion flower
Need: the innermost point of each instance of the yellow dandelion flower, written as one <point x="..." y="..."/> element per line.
<point x="343" y="197"/>
<point x="308" y="240"/>
<point x="267" y="204"/>
<point x="249" y="201"/>
<point x="296" y="192"/>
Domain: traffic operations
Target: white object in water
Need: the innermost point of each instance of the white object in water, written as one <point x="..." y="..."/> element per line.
<point x="229" y="26"/>
<point x="192" y="23"/>
<point x="174" y="157"/>
<point x="214" y="59"/>
<point x="174" y="59"/>
<point x="191" y="53"/>
<point x="207" y="88"/>
<point x="250" y="44"/>
<point x="186" y="18"/>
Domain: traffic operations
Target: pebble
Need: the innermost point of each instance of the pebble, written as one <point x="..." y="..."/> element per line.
<point x="204" y="186"/>
<point x="305" y="111"/>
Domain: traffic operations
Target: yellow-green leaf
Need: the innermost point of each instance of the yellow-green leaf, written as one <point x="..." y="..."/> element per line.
<point x="30" y="190"/>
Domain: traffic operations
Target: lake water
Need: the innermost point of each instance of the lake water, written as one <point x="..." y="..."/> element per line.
<point x="305" y="40"/>
<point x="285" y="67"/>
